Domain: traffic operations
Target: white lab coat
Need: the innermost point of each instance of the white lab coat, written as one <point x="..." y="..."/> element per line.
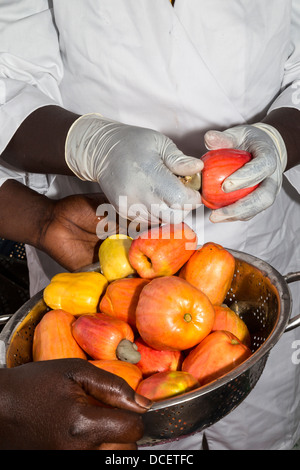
<point x="205" y="64"/>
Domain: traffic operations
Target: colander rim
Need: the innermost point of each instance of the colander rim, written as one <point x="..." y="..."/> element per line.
<point x="276" y="279"/>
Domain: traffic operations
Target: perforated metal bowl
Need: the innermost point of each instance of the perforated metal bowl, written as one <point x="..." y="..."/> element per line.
<point x="260" y="295"/>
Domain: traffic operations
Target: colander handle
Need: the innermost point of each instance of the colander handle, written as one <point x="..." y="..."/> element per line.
<point x="295" y="321"/>
<point x="4" y="319"/>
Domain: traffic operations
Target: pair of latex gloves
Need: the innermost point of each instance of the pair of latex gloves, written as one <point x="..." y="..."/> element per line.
<point x="137" y="168"/>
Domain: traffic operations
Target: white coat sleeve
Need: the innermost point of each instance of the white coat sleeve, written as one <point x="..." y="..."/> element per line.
<point x="30" y="72"/>
<point x="290" y="92"/>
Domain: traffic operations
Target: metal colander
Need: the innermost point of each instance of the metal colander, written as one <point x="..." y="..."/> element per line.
<point x="261" y="297"/>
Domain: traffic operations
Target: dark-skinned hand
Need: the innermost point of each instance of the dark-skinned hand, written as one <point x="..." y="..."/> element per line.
<point x="70" y="234"/>
<point x="56" y="405"/>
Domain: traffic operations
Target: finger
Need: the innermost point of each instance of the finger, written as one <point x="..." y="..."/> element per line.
<point x="147" y="213"/>
<point x="251" y="205"/>
<point x="179" y="163"/>
<point x="217" y="140"/>
<point x="103" y="425"/>
<point x="162" y="213"/>
<point x="165" y="190"/>
<point x="109" y="389"/>
<point x="152" y="213"/>
<point x="177" y="196"/>
<point x="139" y="212"/>
<point x="250" y="174"/>
<point x="170" y="190"/>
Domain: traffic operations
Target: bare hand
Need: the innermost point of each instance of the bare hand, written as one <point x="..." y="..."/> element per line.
<point x="70" y="236"/>
<point x="55" y="405"/>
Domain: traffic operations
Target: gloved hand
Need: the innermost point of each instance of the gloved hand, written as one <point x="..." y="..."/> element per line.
<point x="267" y="166"/>
<point x="134" y="162"/>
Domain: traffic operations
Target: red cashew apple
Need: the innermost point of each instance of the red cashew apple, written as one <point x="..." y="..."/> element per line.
<point x="168" y="384"/>
<point x="227" y="319"/>
<point x="162" y="251"/>
<point x="219" y="353"/>
<point x="105" y="337"/>
<point x="153" y="360"/>
<point x="210" y="269"/>
<point x="218" y="165"/>
<point x="121" y="298"/>
<point x="172" y="314"/>
<point x="129" y="372"/>
<point x="53" y="337"/>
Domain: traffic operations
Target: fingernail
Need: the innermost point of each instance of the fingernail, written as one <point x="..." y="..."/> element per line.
<point x="212" y="134"/>
<point x="217" y="217"/>
<point x="142" y="401"/>
<point x="228" y="186"/>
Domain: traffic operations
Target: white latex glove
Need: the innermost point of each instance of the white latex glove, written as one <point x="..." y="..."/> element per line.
<point x="134" y="162"/>
<point x="269" y="161"/>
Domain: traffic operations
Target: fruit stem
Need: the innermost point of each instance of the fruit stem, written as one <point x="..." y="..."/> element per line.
<point x="187" y="317"/>
<point x="235" y="341"/>
<point x="128" y="352"/>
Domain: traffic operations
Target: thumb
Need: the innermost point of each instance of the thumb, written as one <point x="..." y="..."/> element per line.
<point x="217" y="140"/>
<point x="110" y="389"/>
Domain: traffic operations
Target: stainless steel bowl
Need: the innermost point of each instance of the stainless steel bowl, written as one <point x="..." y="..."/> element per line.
<point x="262" y="297"/>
